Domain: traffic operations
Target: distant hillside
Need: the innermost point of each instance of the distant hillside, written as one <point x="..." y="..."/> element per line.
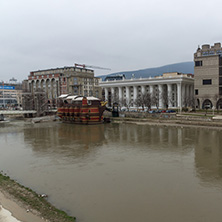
<point x="183" y="67"/>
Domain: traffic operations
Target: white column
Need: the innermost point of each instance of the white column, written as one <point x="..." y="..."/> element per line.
<point x="35" y="85"/>
<point x="128" y="96"/>
<point x="179" y="95"/>
<point x="160" y="87"/>
<point x="52" y="88"/>
<point x="191" y="91"/>
<point x="112" y="95"/>
<point x="57" y="87"/>
<point x="169" y="92"/>
<point x="188" y="92"/>
<point x="183" y="94"/>
<point x="143" y="90"/>
<point x="106" y="94"/>
<point x="151" y="90"/>
<point x="112" y="91"/>
<point x="120" y="94"/>
<point x="134" y="93"/>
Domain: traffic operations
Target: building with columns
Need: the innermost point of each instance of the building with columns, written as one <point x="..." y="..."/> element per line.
<point x="67" y="80"/>
<point x="176" y="87"/>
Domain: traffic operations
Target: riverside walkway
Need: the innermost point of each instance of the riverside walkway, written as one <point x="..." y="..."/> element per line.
<point x="17" y="112"/>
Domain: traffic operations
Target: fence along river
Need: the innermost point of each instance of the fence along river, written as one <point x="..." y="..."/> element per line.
<point x="118" y="172"/>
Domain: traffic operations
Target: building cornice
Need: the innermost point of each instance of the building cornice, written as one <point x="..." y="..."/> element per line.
<point x="147" y="81"/>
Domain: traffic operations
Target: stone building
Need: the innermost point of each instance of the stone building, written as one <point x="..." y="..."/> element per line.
<point x="176" y="88"/>
<point x="208" y="76"/>
<point x="67" y="80"/>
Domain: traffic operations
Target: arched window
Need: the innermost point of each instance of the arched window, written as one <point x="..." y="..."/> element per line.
<point x="207" y="104"/>
<point x="219" y="104"/>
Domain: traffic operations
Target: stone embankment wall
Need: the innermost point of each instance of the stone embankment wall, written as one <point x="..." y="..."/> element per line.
<point x="167" y="118"/>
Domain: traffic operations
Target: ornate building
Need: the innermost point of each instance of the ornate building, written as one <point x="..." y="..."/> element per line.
<point x="66" y="80"/>
<point x="176" y="88"/>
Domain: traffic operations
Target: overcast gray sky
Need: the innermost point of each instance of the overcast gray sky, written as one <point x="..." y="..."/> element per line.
<point x="118" y="34"/>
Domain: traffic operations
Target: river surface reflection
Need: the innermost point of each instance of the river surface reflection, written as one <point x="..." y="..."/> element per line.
<point x="119" y="172"/>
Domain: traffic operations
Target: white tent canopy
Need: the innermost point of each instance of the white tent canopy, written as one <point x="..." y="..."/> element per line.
<point x="71" y="97"/>
<point x="63" y="96"/>
<point x="88" y="98"/>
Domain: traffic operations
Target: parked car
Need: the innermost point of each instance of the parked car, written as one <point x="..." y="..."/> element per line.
<point x="124" y="109"/>
<point x="170" y="111"/>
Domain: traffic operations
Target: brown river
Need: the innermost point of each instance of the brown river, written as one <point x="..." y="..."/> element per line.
<point x="118" y="172"/>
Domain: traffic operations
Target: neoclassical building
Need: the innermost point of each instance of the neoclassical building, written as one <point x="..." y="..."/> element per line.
<point x="178" y="88"/>
<point x="66" y="80"/>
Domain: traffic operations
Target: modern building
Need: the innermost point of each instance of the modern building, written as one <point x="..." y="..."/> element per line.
<point x="67" y="80"/>
<point x="208" y="76"/>
<point x="176" y="88"/>
<point x="10" y="95"/>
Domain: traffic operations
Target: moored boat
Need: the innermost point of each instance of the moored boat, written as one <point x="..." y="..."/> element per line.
<point x="81" y="109"/>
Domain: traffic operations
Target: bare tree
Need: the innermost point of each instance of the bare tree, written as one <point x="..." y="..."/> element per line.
<point x="186" y="100"/>
<point x="127" y="103"/>
<point x="216" y="98"/>
<point x="165" y="99"/>
<point x="156" y="97"/>
<point x="192" y="102"/>
<point x="121" y="102"/>
<point x="144" y="100"/>
<point x="139" y="102"/>
<point x="147" y="100"/>
<point x="115" y="97"/>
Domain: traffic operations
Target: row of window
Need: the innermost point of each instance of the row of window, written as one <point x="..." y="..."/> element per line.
<point x="219" y="52"/>
<point x="42" y="76"/>
<point x="88" y="93"/>
<point x="220" y="91"/>
<point x="209" y="81"/>
<point x="205" y="82"/>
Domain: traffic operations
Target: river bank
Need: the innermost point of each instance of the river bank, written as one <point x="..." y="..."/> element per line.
<point x="10" y="210"/>
<point x="25" y="205"/>
<point x="184" y="120"/>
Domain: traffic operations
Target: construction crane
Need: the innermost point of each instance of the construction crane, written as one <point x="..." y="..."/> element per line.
<point x="89" y="66"/>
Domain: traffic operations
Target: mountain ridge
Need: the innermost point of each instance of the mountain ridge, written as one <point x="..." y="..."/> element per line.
<point x="182" y="67"/>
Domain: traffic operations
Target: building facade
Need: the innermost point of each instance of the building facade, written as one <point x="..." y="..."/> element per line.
<point x="176" y="88"/>
<point x="208" y="76"/>
<point x="10" y="95"/>
<point x="66" y="80"/>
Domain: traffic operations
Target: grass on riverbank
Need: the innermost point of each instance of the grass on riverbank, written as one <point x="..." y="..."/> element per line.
<point x="32" y="201"/>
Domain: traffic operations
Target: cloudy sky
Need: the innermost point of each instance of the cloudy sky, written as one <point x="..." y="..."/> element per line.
<point x="118" y="34"/>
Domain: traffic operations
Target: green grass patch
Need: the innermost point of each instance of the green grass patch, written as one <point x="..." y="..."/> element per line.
<point x="32" y="200"/>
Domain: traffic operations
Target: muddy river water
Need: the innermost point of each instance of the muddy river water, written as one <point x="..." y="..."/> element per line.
<point x="118" y="172"/>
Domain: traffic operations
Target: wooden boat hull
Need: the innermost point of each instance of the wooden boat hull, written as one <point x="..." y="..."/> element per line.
<point x="83" y="111"/>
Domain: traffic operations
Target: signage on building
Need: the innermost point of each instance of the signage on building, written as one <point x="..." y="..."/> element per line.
<point x="7" y="87"/>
